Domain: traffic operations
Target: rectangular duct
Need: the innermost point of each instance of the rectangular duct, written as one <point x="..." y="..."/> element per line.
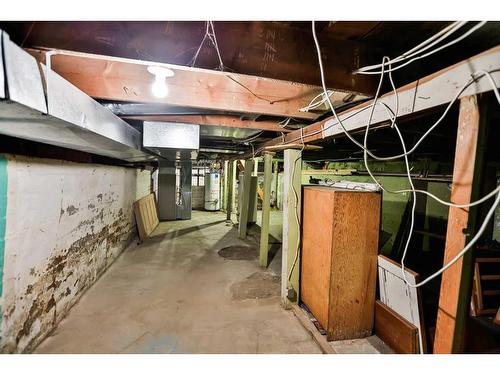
<point x="57" y="113"/>
<point x="173" y="141"/>
<point x="2" y="75"/>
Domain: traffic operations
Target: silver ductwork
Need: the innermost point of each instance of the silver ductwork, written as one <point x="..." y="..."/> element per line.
<point x="39" y="105"/>
<point x="172" y="141"/>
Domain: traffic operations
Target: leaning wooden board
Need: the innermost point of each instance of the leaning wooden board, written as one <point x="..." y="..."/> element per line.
<point x="399" y="334"/>
<point x="146" y="216"/>
<point x="405" y="300"/>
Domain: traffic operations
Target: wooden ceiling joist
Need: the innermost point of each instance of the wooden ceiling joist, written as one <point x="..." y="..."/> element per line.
<point x="276" y="50"/>
<point x="119" y="79"/>
<point x="215" y="120"/>
<point x="432" y="91"/>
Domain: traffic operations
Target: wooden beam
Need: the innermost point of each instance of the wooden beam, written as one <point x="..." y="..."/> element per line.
<point x="266" y="209"/>
<point x="245" y="201"/>
<point x="119" y="79"/>
<point x="427" y="93"/>
<point x="292" y="199"/>
<point x="267" y="49"/>
<point x="454" y="298"/>
<point x="229" y="173"/>
<point x="215" y="120"/>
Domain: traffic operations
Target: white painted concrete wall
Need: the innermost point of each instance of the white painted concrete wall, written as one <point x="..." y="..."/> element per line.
<point x="66" y="222"/>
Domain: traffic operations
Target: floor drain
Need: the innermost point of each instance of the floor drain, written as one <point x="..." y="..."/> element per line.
<point x="238" y="252"/>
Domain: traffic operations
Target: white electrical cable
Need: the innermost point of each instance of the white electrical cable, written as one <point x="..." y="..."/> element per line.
<point x="408" y="170"/>
<point x="315" y="104"/>
<point x="472" y="242"/>
<point x="454" y="41"/>
<point x="474" y="76"/>
<point x="405" y="154"/>
<point x="426" y="44"/>
<point x="448" y="30"/>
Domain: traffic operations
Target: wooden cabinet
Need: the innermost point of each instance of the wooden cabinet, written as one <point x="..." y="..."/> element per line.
<point x="340" y="230"/>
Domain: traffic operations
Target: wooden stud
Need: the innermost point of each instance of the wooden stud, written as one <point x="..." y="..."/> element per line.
<point x="229" y="179"/>
<point x="266" y="208"/>
<point x="224" y="185"/>
<point x="292" y="200"/>
<point x="244" y="206"/>
<point x="456" y="284"/>
<point x="276" y="184"/>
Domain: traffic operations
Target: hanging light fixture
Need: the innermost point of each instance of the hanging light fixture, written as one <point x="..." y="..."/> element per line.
<point x="159" y="87"/>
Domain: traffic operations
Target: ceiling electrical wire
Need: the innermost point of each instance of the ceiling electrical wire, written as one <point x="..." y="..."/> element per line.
<point x="447" y="31"/>
<point x="313" y="104"/>
<point x="474" y="77"/>
<point x="366" y="70"/>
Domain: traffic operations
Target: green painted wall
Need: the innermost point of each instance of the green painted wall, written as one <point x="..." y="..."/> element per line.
<point x="393" y="205"/>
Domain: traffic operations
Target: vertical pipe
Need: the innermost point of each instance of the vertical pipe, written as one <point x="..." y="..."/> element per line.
<point x="266" y="207"/>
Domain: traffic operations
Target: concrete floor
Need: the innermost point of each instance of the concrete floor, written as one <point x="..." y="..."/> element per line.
<point x="175" y="294"/>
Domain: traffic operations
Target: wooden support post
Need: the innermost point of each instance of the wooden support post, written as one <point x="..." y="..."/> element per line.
<point x="224" y="185"/>
<point x="255" y="166"/>
<point x="234" y="180"/>
<point x="229" y="183"/>
<point x="292" y="198"/>
<point x="266" y="207"/>
<point x="454" y="298"/>
<point x="276" y="185"/>
<point x="245" y="199"/>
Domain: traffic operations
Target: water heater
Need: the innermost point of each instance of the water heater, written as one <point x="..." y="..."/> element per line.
<point x="212" y="191"/>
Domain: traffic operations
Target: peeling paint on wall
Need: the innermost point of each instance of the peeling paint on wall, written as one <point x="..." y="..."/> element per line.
<point x="3" y="210"/>
<point x="66" y="223"/>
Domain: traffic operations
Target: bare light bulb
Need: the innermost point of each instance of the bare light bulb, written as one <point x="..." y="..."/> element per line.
<point x="159" y="87"/>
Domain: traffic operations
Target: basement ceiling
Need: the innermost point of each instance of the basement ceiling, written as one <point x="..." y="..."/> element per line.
<point x="263" y="63"/>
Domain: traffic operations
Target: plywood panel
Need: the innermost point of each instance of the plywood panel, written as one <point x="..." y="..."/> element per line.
<point x="146" y="216"/>
<point x="316" y="252"/>
<point x="339" y="259"/>
<point x="398" y="296"/>
<point x="394" y="330"/>
<point x="354" y="264"/>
